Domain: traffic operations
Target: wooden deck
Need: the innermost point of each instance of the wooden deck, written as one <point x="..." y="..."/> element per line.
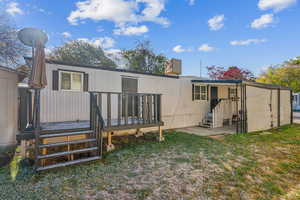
<point x="73" y="125"/>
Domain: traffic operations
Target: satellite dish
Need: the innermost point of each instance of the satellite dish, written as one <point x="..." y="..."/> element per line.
<point x="31" y="36"/>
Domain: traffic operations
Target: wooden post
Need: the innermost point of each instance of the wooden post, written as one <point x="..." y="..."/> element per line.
<point x="161" y="137"/>
<point x="110" y="146"/>
<point x="23" y="149"/>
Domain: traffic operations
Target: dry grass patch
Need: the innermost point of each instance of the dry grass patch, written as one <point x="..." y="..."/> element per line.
<point x="245" y="166"/>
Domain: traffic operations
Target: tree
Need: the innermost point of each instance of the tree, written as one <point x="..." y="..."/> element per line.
<point x="232" y="73"/>
<point x="81" y="52"/>
<point x="295" y="61"/>
<point x="11" y="49"/>
<point x="143" y="59"/>
<point x="285" y="75"/>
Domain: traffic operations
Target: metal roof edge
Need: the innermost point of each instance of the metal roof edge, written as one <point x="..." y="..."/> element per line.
<point x="257" y="84"/>
<point x="103" y="68"/>
<point x="217" y="81"/>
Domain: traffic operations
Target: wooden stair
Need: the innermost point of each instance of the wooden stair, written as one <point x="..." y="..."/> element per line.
<point x="90" y="145"/>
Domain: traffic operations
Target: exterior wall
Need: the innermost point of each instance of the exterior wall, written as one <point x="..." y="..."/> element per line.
<point x="285" y="107"/>
<point x="262" y="108"/>
<point x="8" y="108"/>
<point x="178" y="109"/>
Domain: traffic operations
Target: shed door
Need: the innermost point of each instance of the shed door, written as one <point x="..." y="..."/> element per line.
<point x="129" y="85"/>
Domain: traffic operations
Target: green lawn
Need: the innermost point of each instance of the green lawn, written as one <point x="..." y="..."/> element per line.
<point x="264" y="165"/>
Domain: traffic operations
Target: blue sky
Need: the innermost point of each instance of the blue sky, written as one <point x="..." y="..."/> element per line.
<point x="248" y="33"/>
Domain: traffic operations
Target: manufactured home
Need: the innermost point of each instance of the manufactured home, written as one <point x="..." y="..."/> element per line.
<point x="84" y="104"/>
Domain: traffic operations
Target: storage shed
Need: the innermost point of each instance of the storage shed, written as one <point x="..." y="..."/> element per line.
<point x="268" y="106"/>
<point x="8" y="107"/>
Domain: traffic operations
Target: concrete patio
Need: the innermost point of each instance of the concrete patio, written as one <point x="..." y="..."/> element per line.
<point x="196" y="130"/>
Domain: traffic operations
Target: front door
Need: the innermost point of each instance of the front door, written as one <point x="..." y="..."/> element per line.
<point x="213" y="97"/>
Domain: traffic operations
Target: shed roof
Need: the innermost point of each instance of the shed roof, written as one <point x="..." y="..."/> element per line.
<point x="234" y="82"/>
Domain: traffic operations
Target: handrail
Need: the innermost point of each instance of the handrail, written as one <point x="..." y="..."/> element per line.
<point x="219" y="112"/>
<point x="98" y="113"/>
<point x="129" y="93"/>
<point x="98" y="124"/>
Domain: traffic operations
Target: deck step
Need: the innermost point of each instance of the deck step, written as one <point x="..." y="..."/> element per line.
<point x="43" y="136"/>
<point x="73" y="162"/>
<point x="67" y="153"/>
<point x="67" y="143"/>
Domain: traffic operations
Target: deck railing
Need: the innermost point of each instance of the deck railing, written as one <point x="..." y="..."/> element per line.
<point x="128" y="110"/>
<point x="118" y="110"/>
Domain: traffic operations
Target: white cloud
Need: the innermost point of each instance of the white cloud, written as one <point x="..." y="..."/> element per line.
<point x="276" y="5"/>
<point x="247" y="42"/>
<point x="104" y="42"/>
<point x="66" y="34"/>
<point x="180" y="49"/>
<point x="206" y="48"/>
<point x="131" y="30"/>
<point x="263" y="22"/>
<point x="216" y="23"/>
<point x="119" y="11"/>
<point x="13" y="9"/>
<point x="191" y="2"/>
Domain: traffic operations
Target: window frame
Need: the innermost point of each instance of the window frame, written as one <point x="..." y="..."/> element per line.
<point x="230" y="93"/>
<point x="71" y="80"/>
<point x="200" y="93"/>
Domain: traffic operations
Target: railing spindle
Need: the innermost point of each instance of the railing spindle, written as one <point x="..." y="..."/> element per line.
<point x="132" y="108"/>
<point x="126" y="109"/>
<point x="150" y="108"/>
<point x="144" y="109"/>
<point x="108" y="109"/>
<point x="138" y="108"/>
<point x="119" y="108"/>
<point x="159" y="108"/>
<point x="155" y="108"/>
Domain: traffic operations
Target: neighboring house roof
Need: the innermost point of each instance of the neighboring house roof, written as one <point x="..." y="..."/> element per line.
<point x="102" y="68"/>
<point x="262" y="85"/>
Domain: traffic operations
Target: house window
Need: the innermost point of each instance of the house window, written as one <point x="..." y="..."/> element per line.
<point x="72" y="81"/>
<point x="200" y="92"/>
<point x="232" y="93"/>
